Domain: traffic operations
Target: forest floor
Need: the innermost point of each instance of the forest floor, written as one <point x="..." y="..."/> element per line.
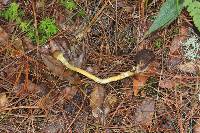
<point x="105" y="38"/>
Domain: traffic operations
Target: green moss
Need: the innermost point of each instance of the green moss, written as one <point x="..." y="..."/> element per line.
<point x="46" y="29"/>
<point x="12" y="13"/>
<point x="81" y="13"/>
<point x="69" y="4"/>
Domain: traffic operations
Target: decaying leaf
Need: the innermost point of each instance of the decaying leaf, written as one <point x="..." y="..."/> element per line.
<point x="54" y="46"/>
<point x="45" y="103"/>
<point x="173" y="62"/>
<point x="166" y="83"/>
<point x="189" y="67"/>
<point x="176" y="42"/>
<point x="3" y="99"/>
<point x="96" y="100"/>
<point x="55" y="66"/>
<point x="3" y="35"/>
<point x="144" y="113"/>
<point x="175" y="45"/>
<point x="18" y="45"/>
<point x="73" y="53"/>
<point x="109" y="102"/>
<point x="69" y="92"/>
<point x="61" y="19"/>
<point x="29" y="87"/>
<point x="55" y="125"/>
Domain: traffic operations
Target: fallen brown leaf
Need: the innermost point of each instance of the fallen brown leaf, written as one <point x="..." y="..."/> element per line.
<point x="61" y="19"/>
<point x="189" y="67"/>
<point x="138" y="82"/>
<point x="96" y="100"/>
<point x="18" y="47"/>
<point x="54" y="125"/>
<point x="176" y="42"/>
<point x="69" y="92"/>
<point x="29" y="88"/>
<point x="45" y="103"/>
<point x="166" y="83"/>
<point x="3" y="99"/>
<point x="175" y="45"/>
<point x="3" y="35"/>
<point x="55" y="66"/>
<point x="173" y="62"/>
<point x="144" y="113"/>
<point x="109" y="102"/>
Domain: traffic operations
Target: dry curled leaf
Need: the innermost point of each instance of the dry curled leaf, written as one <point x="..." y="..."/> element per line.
<point x="166" y="83"/>
<point x="96" y="100"/>
<point x="144" y="113"/>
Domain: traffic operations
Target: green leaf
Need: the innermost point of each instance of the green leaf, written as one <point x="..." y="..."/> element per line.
<point x="169" y="11"/>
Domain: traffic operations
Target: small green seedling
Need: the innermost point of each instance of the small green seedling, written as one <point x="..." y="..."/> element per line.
<point x="158" y="43"/>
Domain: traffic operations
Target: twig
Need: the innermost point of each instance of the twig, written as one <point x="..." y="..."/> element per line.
<point x="87" y="28"/>
<point x="19" y="107"/>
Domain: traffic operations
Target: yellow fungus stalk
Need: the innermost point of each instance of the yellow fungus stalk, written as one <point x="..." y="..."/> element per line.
<point x="59" y="56"/>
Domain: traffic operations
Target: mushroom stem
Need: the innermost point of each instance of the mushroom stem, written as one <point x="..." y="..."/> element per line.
<point x="59" y="56"/>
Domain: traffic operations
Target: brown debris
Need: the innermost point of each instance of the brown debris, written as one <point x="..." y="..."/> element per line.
<point x="144" y="113"/>
<point x="96" y="100"/>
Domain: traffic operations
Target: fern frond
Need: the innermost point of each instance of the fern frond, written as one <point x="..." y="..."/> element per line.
<point x="193" y="7"/>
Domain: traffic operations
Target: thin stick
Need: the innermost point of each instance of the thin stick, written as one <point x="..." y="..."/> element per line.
<point x="59" y="56"/>
<point x="87" y="28"/>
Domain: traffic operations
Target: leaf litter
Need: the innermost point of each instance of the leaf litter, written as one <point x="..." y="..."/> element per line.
<point x="56" y="91"/>
<point x="144" y="113"/>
